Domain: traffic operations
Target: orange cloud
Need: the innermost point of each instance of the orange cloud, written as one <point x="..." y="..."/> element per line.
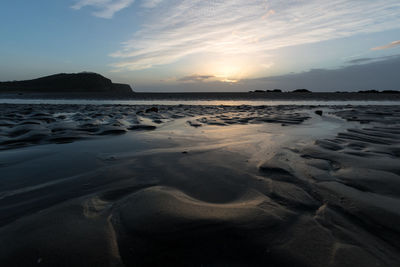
<point x="388" y="46"/>
<point x="269" y="13"/>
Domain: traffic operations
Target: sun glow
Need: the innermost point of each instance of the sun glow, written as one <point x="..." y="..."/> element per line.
<point x="228" y="73"/>
<point x="225" y="68"/>
<point x="229" y="70"/>
<point x="235" y="68"/>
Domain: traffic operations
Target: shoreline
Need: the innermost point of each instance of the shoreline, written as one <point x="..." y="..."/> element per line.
<point x="211" y="96"/>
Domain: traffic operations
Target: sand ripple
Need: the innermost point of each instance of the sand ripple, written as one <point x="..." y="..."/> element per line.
<point x="25" y="125"/>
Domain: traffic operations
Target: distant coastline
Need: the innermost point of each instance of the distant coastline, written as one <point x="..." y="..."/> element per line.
<point x="93" y="86"/>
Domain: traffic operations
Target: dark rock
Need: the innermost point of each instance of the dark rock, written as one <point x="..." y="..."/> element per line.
<point x="139" y="127"/>
<point x="368" y="92"/>
<point x="274" y="91"/>
<point x="194" y="124"/>
<point x="152" y="109"/>
<point x="318" y="112"/>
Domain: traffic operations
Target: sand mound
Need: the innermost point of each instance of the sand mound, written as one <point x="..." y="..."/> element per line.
<point x="176" y="228"/>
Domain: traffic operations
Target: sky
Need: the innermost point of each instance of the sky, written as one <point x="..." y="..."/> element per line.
<point x="206" y="45"/>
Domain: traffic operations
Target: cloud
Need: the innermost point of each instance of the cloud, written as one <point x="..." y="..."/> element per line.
<point x="247" y="28"/>
<point x="360" y="60"/>
<point x="269" y="13"/>
<point x="380" y="75"/>
<point x="105" y="8"/>
<point x="150" y="3"/>
<point x="196" y="78"/>
<point x="371" y="59"/>
<point x="388" y="46"/>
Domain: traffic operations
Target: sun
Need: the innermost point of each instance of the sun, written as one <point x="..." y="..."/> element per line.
<point x="228" y="71"/>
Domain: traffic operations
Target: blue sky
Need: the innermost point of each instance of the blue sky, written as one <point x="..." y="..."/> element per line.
<point x="204" y="45"/>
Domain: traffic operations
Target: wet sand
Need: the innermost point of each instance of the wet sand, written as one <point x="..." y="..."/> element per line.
<point x="118" y="185"/>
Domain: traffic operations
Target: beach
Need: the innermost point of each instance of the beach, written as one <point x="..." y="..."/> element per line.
<point x="200" y="133"/>
<point x="199" y="185"/>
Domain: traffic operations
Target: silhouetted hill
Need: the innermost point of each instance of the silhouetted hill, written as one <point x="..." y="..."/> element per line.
<point x="85" y="82"/>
